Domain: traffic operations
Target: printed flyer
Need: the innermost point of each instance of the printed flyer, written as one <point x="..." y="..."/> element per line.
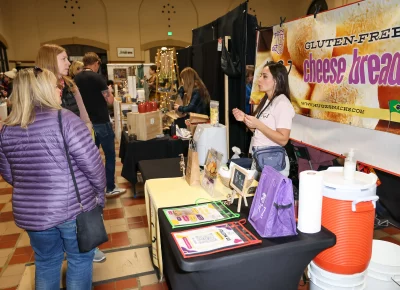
<point x="212" y="239"/>
<point x="198" y="214"/>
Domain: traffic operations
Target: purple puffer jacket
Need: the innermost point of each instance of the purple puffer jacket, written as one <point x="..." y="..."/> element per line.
<point x="34" y="162"/>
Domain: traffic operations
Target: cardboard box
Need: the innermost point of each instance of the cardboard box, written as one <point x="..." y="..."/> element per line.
<point x="198" y="118"/>
<point x="146" y="126"/>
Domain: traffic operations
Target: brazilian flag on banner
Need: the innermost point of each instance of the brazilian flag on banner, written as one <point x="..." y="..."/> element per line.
<point x="394" y="106"/>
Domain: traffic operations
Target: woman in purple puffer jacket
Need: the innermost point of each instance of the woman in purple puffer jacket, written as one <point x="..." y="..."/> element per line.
<point x="33" y="160"/>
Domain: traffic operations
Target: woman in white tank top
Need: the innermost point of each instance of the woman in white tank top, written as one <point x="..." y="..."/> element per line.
<point x="272" y="120"/>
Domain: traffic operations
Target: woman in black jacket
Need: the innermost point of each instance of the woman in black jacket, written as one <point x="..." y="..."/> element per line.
<point x="194" y="94"/>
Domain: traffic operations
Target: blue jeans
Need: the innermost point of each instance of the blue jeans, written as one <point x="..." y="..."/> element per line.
<point x="104" y="136"/>
<point x="49" y="247"/>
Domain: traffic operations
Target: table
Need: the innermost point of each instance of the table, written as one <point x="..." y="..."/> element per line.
<point x="275" y="264"/>
<point x="167" y="192"/>
<point x="133" y="151"/>
<point x="160" y="168"/>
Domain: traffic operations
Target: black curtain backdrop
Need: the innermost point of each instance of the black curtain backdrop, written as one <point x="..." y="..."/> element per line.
<point x="388" y="193"/>
<point x="206" y="60"/>
<point x="184" y="58"/>
<point x="242" y="29"/>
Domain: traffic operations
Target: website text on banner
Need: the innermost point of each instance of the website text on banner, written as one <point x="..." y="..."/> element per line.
<point x="345" y="64"/>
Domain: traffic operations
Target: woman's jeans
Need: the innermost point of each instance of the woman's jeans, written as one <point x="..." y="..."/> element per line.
<point x="104" y="136"/>
<point x="49" y="247"/>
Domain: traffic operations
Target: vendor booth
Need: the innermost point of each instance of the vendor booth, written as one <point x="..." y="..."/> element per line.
<point x="205" y="58"/>
<point x="221" y="225"/>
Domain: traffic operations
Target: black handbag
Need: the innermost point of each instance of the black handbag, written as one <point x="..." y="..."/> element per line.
<point x="90" y="230"/>
<point x="230" y="63"/>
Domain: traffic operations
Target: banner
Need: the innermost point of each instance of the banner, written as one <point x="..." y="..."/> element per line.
<point x="345" y="64"/>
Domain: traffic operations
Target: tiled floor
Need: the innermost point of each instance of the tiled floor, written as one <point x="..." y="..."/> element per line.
<point x="128" y="264"/>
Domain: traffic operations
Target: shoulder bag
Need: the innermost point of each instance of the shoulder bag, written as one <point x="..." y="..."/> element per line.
<point x="90" y="230"/>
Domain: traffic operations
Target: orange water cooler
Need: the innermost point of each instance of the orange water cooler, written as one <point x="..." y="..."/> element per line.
<point x="348" y="210"/>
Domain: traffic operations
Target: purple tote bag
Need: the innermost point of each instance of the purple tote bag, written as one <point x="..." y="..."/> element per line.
<point x="272" y="210"/>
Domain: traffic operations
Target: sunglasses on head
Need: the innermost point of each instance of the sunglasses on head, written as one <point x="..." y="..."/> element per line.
<point x="37" y="70"/>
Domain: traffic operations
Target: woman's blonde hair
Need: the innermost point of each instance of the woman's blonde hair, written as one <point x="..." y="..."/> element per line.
<point x="74" y="68"/>
<point x="32" y="87"/>
<point x="191" y="81"/>
<point x="47" y="58"/>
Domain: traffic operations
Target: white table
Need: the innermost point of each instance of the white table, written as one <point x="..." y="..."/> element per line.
<point x="168" y="192"/>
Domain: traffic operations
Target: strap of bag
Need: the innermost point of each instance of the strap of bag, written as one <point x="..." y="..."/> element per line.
<point x="69" y="161"/>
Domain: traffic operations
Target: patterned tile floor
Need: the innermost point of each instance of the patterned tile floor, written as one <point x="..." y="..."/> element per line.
<point x="128" y="264"/>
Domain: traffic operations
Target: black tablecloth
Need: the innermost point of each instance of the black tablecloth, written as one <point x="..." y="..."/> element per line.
<point x="160" y="168"/>
<point x="133" y="151"/>
<point x="276" y="264"/>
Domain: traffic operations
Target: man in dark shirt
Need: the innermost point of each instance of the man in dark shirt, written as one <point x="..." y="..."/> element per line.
<point x="96" y="95"/>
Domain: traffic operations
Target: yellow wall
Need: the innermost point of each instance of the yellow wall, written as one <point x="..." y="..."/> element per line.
<point x="5" y="27"/>
<point x="25" y="24"/>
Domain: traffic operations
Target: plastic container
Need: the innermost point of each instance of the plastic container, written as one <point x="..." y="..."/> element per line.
<point x="134" y="108"/>
<point x="324" y="280"/>
<point x="348" y="210"/>
<point x="142" y="107"/>
<point x="214" y="113"/>
<point x="349" y="166"/>
<point x="384" y="268"/>
<point x="153" y="106"/>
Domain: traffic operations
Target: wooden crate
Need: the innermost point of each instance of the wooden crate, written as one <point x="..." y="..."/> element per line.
<point x="131" y="123"/>
<point x="146" y="126"/>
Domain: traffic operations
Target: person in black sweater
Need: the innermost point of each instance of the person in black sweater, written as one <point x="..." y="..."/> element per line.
<point x="194" y="94"/>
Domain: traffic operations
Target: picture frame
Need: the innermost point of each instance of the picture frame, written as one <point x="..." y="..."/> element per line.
<point x="120" y="74"/>
<point x="211" y="168"/>
<point x="125" y="52"/>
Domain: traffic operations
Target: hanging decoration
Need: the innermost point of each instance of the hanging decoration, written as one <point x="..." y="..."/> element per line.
<point x="167" y="83"/>
<point x="168" y="10"/>
<point x="73" y="6"/>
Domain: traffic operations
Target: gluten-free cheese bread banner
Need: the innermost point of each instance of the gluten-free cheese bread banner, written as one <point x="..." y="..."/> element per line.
<point x="345" y="64"/>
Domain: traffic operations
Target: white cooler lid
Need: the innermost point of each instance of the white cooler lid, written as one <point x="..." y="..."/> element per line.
<point x="348" y="189"/>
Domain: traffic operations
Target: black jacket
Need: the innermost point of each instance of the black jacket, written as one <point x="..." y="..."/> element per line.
<point x="68" y="101"/>
<point x="196" y="105"/>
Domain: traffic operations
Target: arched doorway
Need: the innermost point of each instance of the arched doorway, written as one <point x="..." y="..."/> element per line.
<point x="3" y="58"/>
<point x="153" y="51"/>
<point x="77" y="51"/>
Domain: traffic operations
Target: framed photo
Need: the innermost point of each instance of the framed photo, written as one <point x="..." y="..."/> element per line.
<point x="125" y="52"/>
<point x="239" y="179"/>
<point x="211" y="167"/>
<point x="119" y="74"/>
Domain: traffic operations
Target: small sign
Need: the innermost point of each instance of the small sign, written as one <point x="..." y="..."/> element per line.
<point x="126" y="52"/>
<point x="219" y="44"/>
<point x="169" y="33"/>
<point x="239" y="177"/>
<point x="238" y="183"/>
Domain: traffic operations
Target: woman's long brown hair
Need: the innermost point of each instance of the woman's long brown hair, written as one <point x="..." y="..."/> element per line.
<point x="280" y="75"/>
<point x="191" y="81"/>
<point x="47" y="58"/>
